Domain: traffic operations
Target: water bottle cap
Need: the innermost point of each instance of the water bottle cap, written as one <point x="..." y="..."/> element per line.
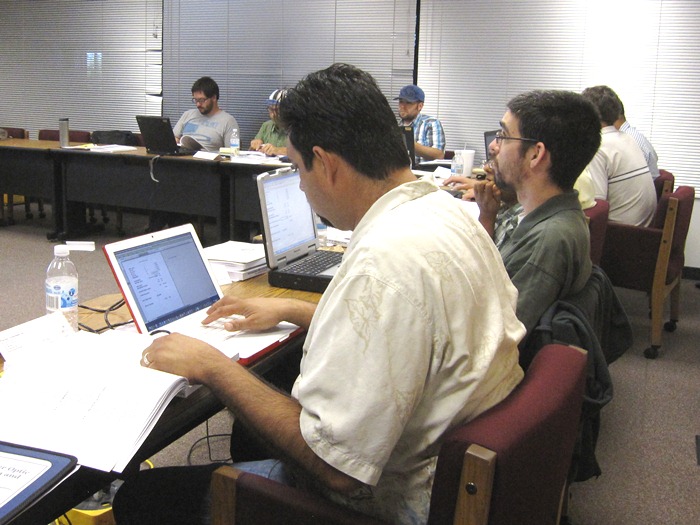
<point x="61" y="250"/>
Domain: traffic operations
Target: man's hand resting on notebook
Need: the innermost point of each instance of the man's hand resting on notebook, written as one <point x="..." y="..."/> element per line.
<point x="260" y="313"/>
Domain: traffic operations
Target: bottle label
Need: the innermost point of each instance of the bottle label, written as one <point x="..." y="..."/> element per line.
<point x="61" y="296"/>
<point x="235" y="144"/>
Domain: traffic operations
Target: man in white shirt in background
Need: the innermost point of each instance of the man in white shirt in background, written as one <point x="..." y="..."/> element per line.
<point x="619" y="170"/>
<point x="208" y="124"/>
<point x="649" y="152"/>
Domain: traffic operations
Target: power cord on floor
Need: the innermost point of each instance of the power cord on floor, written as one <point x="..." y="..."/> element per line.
<point x="208" y="439"/>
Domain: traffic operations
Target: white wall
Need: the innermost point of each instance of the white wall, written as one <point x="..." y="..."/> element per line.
<point x="692" y="246"/>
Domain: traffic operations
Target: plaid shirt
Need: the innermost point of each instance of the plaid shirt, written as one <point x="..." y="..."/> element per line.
<point x="428" y="132"/>
<point x="507" y="220"/>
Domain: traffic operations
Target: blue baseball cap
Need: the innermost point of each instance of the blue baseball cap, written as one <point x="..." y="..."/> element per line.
<point x="411" y="93"/>
<point x="276" y="96"/>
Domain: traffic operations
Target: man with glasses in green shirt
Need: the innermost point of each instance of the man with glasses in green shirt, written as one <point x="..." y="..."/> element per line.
<point x="546" y="140"/>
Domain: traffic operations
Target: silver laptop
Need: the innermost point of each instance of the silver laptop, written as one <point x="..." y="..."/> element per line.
<point x="167" y="284"/>
<point x="289" y="231"/>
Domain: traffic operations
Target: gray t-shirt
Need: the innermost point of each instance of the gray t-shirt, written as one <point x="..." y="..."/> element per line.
<point x="212" y="132"/>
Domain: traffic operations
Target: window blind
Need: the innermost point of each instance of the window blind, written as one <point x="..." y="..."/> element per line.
<point x="96" y="63"/>
<point x="251" y="51"/>
<point x="474" y="56"/>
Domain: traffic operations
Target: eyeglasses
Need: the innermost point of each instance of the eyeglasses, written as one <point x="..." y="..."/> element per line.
<point x="500" y="137"/>
<point x="200" y="100"/>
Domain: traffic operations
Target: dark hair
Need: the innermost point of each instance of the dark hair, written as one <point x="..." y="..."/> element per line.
<point x="206" y="85"/>
<point x="566" y="123"/>
<point x="342" y="110"/>
<point x="607" y="103"/>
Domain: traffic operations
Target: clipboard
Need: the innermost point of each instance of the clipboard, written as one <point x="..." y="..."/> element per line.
<point x="26" y="474"/>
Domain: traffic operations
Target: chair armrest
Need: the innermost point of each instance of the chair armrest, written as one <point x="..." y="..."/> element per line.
<point x="244" y="498"/>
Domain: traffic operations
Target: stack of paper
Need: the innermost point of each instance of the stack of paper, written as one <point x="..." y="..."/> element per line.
<point x="240" y="260"/>
<point x="85" y="395"/>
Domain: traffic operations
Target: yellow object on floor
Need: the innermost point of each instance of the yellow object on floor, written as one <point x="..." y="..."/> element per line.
<point x="88" y="517"/>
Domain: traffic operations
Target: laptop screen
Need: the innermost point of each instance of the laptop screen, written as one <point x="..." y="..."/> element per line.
<point x="488" y="139"/>
<point x="289" y="214"/>
<point x="167" y="278"/>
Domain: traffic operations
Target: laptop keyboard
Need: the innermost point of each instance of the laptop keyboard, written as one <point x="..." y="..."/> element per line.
<point x="213" y="333"/>
<point x="319" y="262"/>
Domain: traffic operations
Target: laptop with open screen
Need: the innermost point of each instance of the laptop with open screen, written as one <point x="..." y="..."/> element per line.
<point x="289" y="231"/>
<point x="158" y="136"/>
<point x="488" y="139"/>
<point x="167" y="283"/>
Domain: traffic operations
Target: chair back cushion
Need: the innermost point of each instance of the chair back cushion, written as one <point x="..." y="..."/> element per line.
<point x="630" y="252"/>
<point x="16" y="133"/>
<point x="686" y="200"/>
<point x="660" y="180"/>
<point x="597" y="225"/>
<point x="73" y="135"/>
<point x="532" y="431"/>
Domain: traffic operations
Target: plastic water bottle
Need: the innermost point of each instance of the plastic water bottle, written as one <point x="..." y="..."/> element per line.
<point x="457" y="166"/>
<point x="321" y="232"/>
<point x="62" y="286"/>
<point x="235" y="144"/>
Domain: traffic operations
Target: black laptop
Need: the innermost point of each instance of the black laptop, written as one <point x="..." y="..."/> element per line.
<point x="289" y="231"/>
<point x="488" y="139"/>
<point x="410" y="141"/>
<point x="158" y="136"/>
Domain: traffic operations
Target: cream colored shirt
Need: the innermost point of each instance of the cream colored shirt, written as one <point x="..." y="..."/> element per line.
<point x="415" y="334"/>
<point x="586" y="190"/>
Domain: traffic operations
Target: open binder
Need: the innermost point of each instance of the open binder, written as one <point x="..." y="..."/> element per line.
<point x="26" y="474"/>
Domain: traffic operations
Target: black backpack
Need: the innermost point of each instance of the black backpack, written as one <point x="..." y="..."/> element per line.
<point x="115" y="136"/>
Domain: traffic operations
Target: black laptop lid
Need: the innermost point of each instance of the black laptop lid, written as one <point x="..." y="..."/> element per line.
<point x="488" y="139"/>
<point x="409" y="139"/>
<point x="157" y="134"/>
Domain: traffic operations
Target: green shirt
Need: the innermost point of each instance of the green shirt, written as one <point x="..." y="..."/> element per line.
<point x="271" y="134"/>
<point x="548" y="256"/>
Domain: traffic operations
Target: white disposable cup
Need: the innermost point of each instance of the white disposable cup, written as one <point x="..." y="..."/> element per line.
<point x="468" y="160"/>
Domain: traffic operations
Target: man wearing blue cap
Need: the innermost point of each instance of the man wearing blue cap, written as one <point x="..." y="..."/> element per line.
<point x="271" y="140"/>
<point x="428" y="132"/>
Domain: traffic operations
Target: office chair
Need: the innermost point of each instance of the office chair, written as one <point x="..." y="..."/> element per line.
<point x="650" y="259"/>
<point x="507" y="466"/>
<point x="663" y="183"/>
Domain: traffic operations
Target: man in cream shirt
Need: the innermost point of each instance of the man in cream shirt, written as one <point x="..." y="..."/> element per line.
<point x="415" y="334"/>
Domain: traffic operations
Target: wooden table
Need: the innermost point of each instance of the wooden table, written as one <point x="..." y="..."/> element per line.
<point x="181" y="416"/>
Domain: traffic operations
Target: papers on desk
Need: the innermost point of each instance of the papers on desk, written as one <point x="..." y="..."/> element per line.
<point x="85" y="395"/>
<point x="236" y="261"/>
<point x="253" y="157"/>
<point x="109" y="148"/>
